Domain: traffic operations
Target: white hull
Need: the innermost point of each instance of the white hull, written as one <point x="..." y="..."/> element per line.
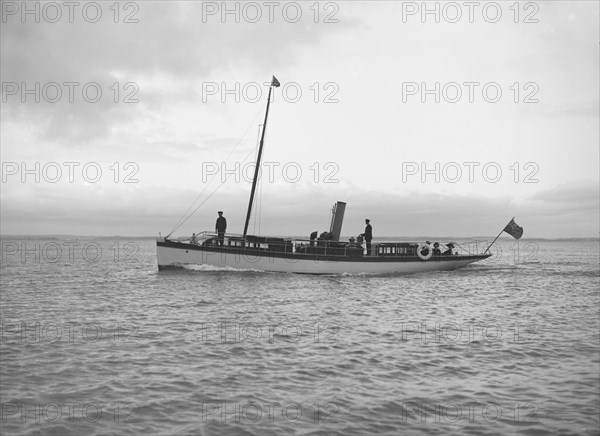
<point x="179" y="257"/>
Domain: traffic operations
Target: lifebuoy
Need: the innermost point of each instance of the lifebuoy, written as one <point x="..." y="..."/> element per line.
<point x="422" y="247"/>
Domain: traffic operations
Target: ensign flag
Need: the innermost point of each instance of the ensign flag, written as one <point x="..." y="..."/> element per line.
<point x="513" y="229"/>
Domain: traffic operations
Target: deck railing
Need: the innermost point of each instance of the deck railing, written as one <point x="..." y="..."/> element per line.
<point x="320" y="246"/>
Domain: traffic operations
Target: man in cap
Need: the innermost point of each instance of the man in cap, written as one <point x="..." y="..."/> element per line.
<point x="368" y="235"/>
<point x="220" y="227"/>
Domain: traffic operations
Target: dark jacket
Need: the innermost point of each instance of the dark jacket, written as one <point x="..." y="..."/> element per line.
<point x="221" y="225"/>
<point x="368" y="233"/>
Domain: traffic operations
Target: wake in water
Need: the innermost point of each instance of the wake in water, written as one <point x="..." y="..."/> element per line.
<point x="211" y="268"/>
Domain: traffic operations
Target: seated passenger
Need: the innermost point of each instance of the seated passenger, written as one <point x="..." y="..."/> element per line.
<point x="436" y="249"/>
<point x="448" y="252"/>
<point x="426" y="248"/>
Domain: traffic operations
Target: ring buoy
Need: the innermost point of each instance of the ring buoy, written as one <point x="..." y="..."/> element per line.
<point x="422" y="247"/>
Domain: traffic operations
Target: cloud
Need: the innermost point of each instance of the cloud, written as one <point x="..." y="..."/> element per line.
<point x="170" y="38"/>
<point x="288" y="210"/>
<point x="170" y="46"/>
<point x="581" y="194"/>
<point x="171" y="132"/>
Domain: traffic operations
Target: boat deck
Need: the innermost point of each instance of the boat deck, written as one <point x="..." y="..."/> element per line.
<point x="292" y="248"/>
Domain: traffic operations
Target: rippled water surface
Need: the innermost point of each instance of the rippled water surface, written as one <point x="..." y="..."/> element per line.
<point x="96" y="341"/>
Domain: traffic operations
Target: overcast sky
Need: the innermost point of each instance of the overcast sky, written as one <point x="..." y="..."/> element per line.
<point x="514" y="130"/>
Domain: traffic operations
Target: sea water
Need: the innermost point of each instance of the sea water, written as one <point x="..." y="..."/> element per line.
<point x="95" y="340"/>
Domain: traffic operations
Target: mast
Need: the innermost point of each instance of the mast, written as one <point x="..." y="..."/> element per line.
<point x="274" y="83"/>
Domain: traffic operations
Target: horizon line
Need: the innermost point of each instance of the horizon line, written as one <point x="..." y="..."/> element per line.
<point x="62" y="235"/>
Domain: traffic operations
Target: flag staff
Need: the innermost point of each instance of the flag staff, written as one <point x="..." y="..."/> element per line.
<point x="489" y="246"/>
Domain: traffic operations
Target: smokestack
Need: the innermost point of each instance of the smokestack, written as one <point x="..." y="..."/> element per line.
<point x="337" y="219"/>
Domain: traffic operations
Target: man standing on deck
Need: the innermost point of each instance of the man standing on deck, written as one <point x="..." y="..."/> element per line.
<point x="220" y="227"/>
<point x="368" y="236"/>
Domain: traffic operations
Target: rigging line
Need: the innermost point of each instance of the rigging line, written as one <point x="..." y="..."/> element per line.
<point x="180" y="222"/>
<point x="211" y="194"/>
<point x="254" y="221"/>
<point x="260" y="208"/>
<point x="258" y="205"/>
<point x="260" y="194"/>
<point x="255" y="205"/>
<point x="181" y="219"/>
